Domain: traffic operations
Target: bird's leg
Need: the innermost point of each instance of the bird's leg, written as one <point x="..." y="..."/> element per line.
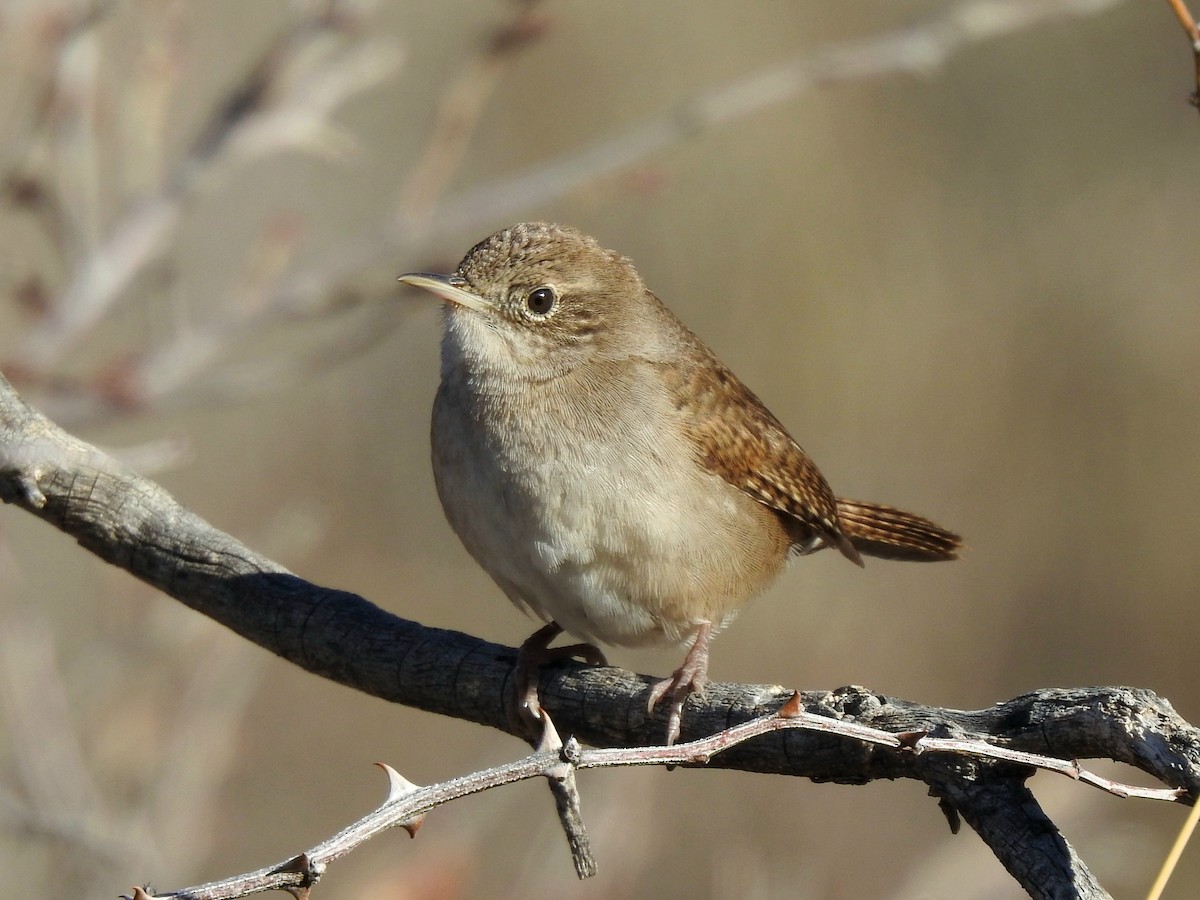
<point x="689" y="677"/>
<point x="532" y="655"/>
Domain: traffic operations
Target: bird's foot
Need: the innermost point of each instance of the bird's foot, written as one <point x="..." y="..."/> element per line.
<point x="690" y="677"/>
<point x="525" y="714"/>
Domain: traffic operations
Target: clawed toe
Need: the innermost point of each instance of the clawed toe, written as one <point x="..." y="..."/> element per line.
<point x="677" y="687"/>
<point x="525" y="715"/>
<point x="691" y="677"/>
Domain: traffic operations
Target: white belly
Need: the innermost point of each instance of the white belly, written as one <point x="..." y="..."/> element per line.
<point x="617" y="533"/>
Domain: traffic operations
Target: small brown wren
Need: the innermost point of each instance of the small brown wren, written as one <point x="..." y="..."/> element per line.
<point x="608" y="471"/>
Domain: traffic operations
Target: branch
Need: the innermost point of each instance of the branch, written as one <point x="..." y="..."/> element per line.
<point x="133" y="523"/>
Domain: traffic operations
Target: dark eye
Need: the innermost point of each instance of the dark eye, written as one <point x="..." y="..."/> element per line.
<point x="541" y="300"/>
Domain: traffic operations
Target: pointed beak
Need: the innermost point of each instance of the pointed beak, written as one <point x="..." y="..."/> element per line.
<point x="448" y="287"/>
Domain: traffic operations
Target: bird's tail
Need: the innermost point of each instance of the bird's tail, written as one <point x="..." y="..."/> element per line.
<point x="888" y="533"/>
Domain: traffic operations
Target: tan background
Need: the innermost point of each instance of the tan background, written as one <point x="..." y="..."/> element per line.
<point x="969" y="293"/>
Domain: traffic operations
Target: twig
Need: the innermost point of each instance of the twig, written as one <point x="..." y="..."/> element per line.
<point x="407" y="804"/>
<point x="1070" y="768"/>
<point x="561" y="779"/>
<point x="1185" y="18"/>
<point x="1188" y="23"/>
<point x="1168" y="866"/>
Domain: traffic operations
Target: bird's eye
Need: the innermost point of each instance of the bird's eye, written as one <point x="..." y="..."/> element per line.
<point x="541" y="300"/>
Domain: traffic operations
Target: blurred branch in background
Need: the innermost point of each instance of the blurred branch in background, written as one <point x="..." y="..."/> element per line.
<point x="286" y="103"/>
<point x="175" y="732"/>
<point x="919" y="50"/>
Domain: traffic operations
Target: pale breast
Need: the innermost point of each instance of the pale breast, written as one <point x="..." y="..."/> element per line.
<point x="582" y="498"/>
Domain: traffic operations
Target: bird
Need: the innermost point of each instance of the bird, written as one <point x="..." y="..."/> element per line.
<point x="612" y="476"/>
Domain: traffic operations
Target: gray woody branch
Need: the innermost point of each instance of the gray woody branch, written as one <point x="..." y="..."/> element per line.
<point x="133" y="523"/>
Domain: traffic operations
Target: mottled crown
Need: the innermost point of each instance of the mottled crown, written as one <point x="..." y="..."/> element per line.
<point x="532" y="252"/>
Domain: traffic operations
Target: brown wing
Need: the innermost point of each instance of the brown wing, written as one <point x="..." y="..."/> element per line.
<point x="739" y="439"/>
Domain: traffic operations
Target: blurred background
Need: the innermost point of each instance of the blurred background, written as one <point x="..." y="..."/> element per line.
<point x="966" y="285"/>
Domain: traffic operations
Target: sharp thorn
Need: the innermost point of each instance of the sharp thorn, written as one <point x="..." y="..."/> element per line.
<point x="398" y="785"/>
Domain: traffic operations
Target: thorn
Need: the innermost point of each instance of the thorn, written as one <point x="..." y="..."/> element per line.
<point x="413" y="825"/>
<point x="301" y="865"/>
<point x="550" y="739"/>
<point x="309" y="871"/>
<point x="792" y="708"/>
<point x="911" y="740"/>
<point x="398" y="785"/>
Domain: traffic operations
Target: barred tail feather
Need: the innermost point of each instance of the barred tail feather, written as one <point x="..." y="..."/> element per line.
<point x="888" y="533"/>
